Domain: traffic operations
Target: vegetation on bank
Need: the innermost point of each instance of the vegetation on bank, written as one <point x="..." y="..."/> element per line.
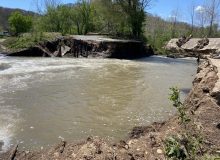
<point x="27" y="40"/>
<point x="119" y="18"/>
<point x="187" y="144"/>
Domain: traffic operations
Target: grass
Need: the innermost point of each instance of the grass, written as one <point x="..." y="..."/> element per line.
<point x="27" y="40"/>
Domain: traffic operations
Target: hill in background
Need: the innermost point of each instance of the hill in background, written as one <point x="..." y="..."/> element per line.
<point x="6" y="12"/>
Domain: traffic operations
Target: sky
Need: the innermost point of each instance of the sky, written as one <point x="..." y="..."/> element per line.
<point x="162" y="8"/>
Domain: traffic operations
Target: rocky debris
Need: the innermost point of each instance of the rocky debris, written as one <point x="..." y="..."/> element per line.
<point x="203" y="102"/>
<point x="88" y="46"/>
<point x="13" y="152"/>
<point x="193" y="47"/>
<point x="202" y="43"/>
<point x="181" y="41"/>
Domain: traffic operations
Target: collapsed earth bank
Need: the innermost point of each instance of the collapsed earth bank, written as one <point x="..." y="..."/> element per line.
<point x="86" y="46"/>
<point x="192" y="47"/>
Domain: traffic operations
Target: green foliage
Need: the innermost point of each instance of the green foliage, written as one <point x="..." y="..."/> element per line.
<point x="75" y="19"/>
<point x="186" y="145"/>
<point x="182" y="147"/>
<point x="20" y="23"/>
<point x="27" y="40"/>
<point x="175" y="98"/>
<point x="109" y="18"/>
<point x="158" y="41"/>
<point x="134" y="10"/>
<point x="102" y="16"/>
<point x="83" y="17"/>
<point x="173" y="148"/>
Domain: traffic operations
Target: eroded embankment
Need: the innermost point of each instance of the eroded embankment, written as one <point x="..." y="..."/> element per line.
<point x="86" y="46"/>
<point x="191" y="47"/>
<point x="148" y="142"/>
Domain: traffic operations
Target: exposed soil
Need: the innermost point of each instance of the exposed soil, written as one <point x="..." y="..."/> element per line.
<point x="148" y="142"/>
<point x="193" y="47"/>
<point x="87" y="46"/>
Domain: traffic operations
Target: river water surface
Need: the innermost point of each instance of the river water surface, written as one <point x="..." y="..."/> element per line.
<point x="44" y="99"/>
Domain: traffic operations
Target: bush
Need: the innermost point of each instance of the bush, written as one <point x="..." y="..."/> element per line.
<point x="187" y="144"/>
<point x="175" y="98"/>
<point x="19" y="23"/>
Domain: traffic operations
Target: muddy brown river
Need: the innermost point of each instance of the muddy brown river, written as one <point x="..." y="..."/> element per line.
<point x="45" y="99"/>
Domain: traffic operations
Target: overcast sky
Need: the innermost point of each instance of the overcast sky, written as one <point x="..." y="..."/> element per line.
<point x="162" y="8"/>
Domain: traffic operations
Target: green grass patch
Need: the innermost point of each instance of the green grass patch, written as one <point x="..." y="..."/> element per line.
<point x="27" y="40"/>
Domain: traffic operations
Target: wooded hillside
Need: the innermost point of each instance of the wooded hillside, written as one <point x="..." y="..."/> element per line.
<point x="6" y="12"/>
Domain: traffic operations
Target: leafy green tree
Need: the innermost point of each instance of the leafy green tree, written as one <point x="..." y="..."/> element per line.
<point x="83" y="16"/>
<point x="109" y="18"/>
<point x="20" y="23"/>
<point x="70" y="19"/>
<point x="51" y="22"/>
<point x="135" y="10"/>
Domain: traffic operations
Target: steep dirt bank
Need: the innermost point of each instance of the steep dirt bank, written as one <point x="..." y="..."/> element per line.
<point x="193" y="46"/>
<point x="87" y="46"/>
<point x="148" y="142"/>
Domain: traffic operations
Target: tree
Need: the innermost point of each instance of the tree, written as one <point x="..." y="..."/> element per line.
<point x="42" y="6"/>
<point x="135" y="10"/>
<point x="83" y="16"/>
<point x="201" y="17"/>
<point x="173" y="20"/>
<point x="192" y="15"/>
<point x="212" y="13"/>
<point x="108" y="17"/>
<point x="19" y="23"/>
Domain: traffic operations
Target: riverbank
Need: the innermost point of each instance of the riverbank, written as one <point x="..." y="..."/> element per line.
<point x="148" y="142"/>
<point x="75" y="46"/>
<point x="192" y="47"/>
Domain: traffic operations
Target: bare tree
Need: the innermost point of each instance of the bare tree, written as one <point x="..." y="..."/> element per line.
<point x="192" y="8"/>
<point x="173" y="19"/>
<point x="212" y="7"/>
<point x="145" y="3"/>
<point x="201" y="17"/>
<point x="43" y="5"/>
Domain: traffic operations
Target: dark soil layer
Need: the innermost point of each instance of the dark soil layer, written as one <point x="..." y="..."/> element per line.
<point x="87" y="46"/>
<point x="148" y="142"/>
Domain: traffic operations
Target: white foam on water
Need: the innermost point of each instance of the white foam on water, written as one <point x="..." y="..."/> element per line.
<point x="28" y="65"/>
<point x="9" y="118"/>
<point x="5" y="137"/>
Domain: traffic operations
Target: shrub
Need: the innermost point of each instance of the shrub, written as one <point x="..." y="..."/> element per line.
<point x="175" y="98"/>
<point x="19" y="23"/>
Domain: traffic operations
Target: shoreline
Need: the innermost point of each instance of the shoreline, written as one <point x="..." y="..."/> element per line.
<point x="146" y="142"/>
<point x="76" y="46"/>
